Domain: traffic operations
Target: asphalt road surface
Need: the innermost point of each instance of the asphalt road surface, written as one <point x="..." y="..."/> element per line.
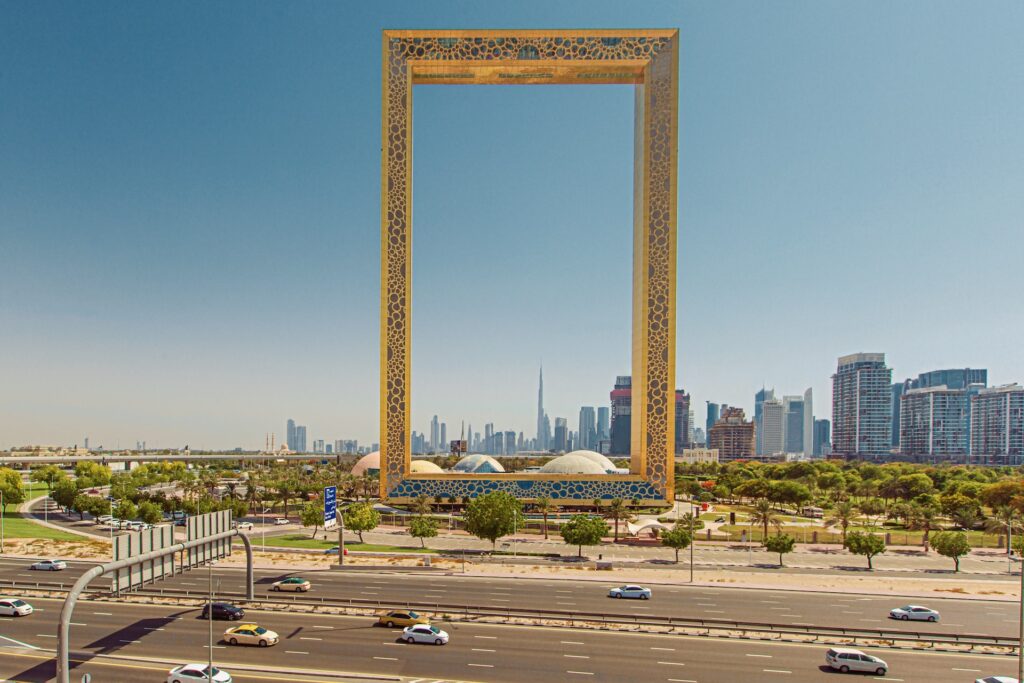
<point x="477" y="652"/>
<point x="978" y="617"/>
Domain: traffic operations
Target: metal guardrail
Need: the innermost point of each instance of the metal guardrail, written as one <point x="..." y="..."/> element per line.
<point x="567" y="616"/>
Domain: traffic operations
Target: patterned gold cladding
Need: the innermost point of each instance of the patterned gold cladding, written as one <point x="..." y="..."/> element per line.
<point x="649" y="60"/>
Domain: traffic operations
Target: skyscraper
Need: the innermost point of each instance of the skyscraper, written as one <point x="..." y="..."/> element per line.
<point x="954" y="379"/>
<point x="682" y="418"/>
<point x="759" y="399"/>
<point x="561" y="435"/>
<point x="622" y="408"/>
<point x="773" y="426"/>
<point x="300" y="439"/>
<point x="290" y="435"/>
<point x="934" y="423"/>
<point x="510" y="443"/>
<point x="546" y="433"/>
<point x="793" y="424"/>
<point x="435" y="434"/>
<point x="443" y="443"/>
<point x="603" y="423"/>
<point x="711" y="419"/>
<point x="588" y="428"/>
<point x="822" y="439"/>
<point x="862" y="406"/>
<point x="542" y="441"/>
<point x="808" y="422"/>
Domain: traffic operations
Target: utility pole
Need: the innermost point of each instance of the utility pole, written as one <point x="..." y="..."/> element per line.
<point x="692" y="508"/>
<point x="209" y="618"/>
<point x="3" y="516"/>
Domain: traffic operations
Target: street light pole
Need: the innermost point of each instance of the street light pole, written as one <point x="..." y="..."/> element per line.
<point x="209" y="618"/>
<point x="3" y="516"/>
<point x="692" y="508"/>
<point x="1020" y="628"/>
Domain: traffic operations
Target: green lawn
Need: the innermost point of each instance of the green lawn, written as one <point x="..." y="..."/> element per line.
<point x="304" y="541"/>
<point x="15" y="526"/>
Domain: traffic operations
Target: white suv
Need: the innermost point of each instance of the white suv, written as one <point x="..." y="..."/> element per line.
<point x="847" y="660"/>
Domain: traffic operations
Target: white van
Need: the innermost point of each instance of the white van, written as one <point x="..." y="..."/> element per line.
<point x="846" y="660"/>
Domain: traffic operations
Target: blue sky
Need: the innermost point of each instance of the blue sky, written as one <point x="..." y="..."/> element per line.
<point x="189" y="212"/>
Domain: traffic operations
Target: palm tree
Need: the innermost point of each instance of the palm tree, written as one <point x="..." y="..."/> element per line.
<point x="843" y="514"/>
<point x="544" y="507"/>
<point x="764" y="514"/>
<point x="1004" y="520"/>
<point x="421" y="506"/>
<point x="924" y="517"/>
<point x="284" y="488"/>
<point x="617" y="511"/>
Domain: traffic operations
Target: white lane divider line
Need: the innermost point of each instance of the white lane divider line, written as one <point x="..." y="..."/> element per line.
<point x="581" y="673"/>
<point x="577" y="656"/>
<point x="973" y="671"/>
<point x="295" y="652"/>
<point x="18" y="643"/>
<point x="309" y="638"/>
<point x="667" y="649"/>
<point x="571" y="642"/>
<point x="45" y="635"/>
<point x="672" y="663"/>
<point x="484" y="666"/>
<point x="783" y="671"/>
<point x="765" y="656"/>
<point x="388" y="659"/>
<point x="487" y="637"/>
<point x="103" y="614"/>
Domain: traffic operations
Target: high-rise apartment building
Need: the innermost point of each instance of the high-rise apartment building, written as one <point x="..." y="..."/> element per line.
<point x="588" y="427"/>
<point x="798" y="424"/>
<point x="300" y="439"/>
<point x="808" y="421"/>
<point x="759" y="399"/>
<point x="510" y="443"/>
<point x="603" y="423"/>
<point x="862" y="406"/>
<point x="997" y="425"/>
<point x="622" y="409"/>
<point x="962" y="379"/>
<point x="822" y="445"/>
<point x="442" y="445"/>
<point x="435" y="434"/>
<point x="712" y="417"/>
<point x="935" y="423"/>
<point x="772" y="428"/>
<point x="732" y="436"/>
<point x="318" y="446"/>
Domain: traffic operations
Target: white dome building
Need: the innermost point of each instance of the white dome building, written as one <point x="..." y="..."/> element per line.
<point x="478" y="463"/>
<point x="606" y="464"/>
<point x="368" y="464"/>
<point x="572" y="463"/>
<point x="424" y="467"/>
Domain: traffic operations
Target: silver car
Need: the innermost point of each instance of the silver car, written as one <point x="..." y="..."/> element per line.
<point x="847" y="659"/>
<point x="424" y="633"/>
<point x="630" y="591"/>
<point x="15" y="607"/>
<point x="49" y="565"/>
<point x="914" y="613"/>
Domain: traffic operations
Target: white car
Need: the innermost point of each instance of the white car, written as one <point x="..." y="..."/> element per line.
<point x="15" y="607"/>
<point x="280" y="521"/>
<point x="913" y="613"/>
<point x="996" y="679"/>
<point x="103" y="519"/>
<point x="424" y="633"/>
<point x="243" y="526"/>
<point x="845" y="659"/>
<point x="186" y="673"/>
<point x="49" y="565"/>
<point x="637" y="592"/>
<point x="293" y="583"/>
<point x="250" y="634"/>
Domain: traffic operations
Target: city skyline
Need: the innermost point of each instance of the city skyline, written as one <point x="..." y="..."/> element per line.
<point x="175" y="282"/>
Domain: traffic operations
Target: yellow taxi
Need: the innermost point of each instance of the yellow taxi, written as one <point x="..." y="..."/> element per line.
<point x="250" y="634"/>
<point x="401" y="618"/>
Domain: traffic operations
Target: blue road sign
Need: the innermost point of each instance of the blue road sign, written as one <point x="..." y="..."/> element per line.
<point x="330" y="506"/>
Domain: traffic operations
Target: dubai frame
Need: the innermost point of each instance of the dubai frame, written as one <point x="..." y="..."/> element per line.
<point x="649" y="60"/>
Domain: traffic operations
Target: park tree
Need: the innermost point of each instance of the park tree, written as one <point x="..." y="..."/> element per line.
<point x="360" y="517"/>
<point x="764" y="515"/>
<point x="313" y="515"/>
<point x="924" y="518"/>
<point x="1005" y="519"/>
<point x="422" y="528"/>
<point x="781" y="544"/>
<point x="81" y="504"/>
<point x="617" y="511"/>
<point x="125" y="509"/>
<point x="872" y="507"/>
<point x="686" y="518"/>
<point x="1003" y="493"/>
<point x="149" y="512"/>
<point x="868" y="545"/>
<point x="913" y="485"/>
<point x="11" y="487"/>
<point x="678" y="538"/>
<point x="951" y="544"/>
<point x="89" y="474"/>
<point x="64" y="492"/>
<point x="421" y="505"/>
<point x="581" y="530"/>
<point x="493" y="515"/>
<point x="50" y="474"/>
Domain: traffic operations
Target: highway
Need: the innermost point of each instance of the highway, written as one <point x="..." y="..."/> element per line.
<point x="962" y="616"/>
<point x="477" y="652"/>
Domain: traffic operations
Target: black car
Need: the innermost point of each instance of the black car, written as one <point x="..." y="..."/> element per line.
<point x="223" y="610"/>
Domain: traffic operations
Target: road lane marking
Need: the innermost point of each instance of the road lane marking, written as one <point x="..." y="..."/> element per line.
<point x="783" y="671"/>
<point x="667" y="649"/>
<point x="485" y="666"/>
<point x="131" y="641"/>
<point x="765" y="656"/>
<point x="577" y="656"/>
<point x="681" y="680"/>
<point x="328" y="627"/>
<point x="975" y="671"/>
<point x="487" y="637"/>
<point x="45" y="635"/>
<point x="571" y="642"/>
<point x="309" y="638"/>
<point x="295" y="652"/>
<point x="672" y="663"/>
<point x="388" y="659"/>
<point x="580" y="673"/>
<point x="499" y="600"/>
<point x="103" y="614"/>
<point x="482" y="649"/>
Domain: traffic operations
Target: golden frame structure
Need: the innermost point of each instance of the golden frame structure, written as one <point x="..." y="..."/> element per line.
<point x="647" y="59"/>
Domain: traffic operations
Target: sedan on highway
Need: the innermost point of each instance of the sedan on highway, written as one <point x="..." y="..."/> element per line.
<point x="49" y="565"/>
<point x="421" y="633"/>
<point x="846" y="659"/>
<point x="244" y="526"/>
<point x="914" y="613"/>
<point x="280" y="521"/>
<point x="401" y="618"/>
<point x="250" y="634"/>
<point x="188" y="673"/>
<point x="15" y="607"/>
<point x="294" y="583"/>
<point x="637" y="592"/>
<point x="223" y="610"/>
